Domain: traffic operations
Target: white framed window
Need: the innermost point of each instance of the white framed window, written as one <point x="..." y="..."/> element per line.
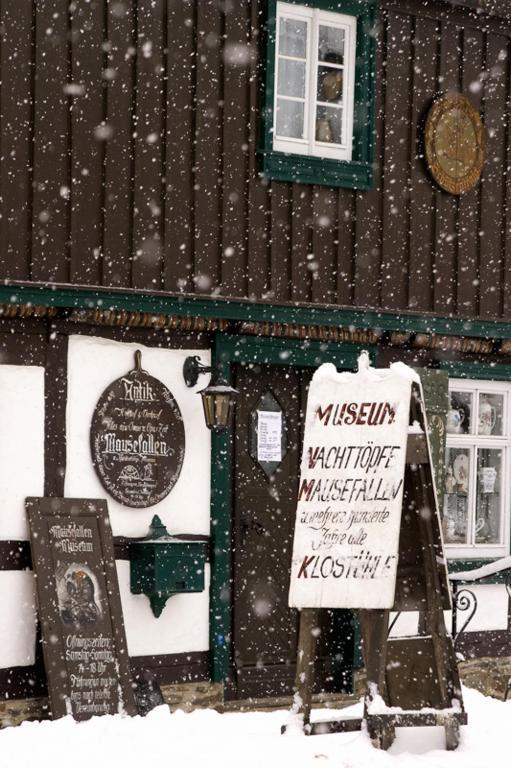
<point x="314" y="82"/>
<point x="477" y="494"/>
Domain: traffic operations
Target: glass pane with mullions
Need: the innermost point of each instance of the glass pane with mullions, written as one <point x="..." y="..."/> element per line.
<point x="459" y="415"/>
<point x="331" y="44"/>
<point x="330" y="82"/>
<point x="488" y="501"/>
<point x="290" y="118"/>
<point x="293" y="38"/>
<point x="457" y="484"/>
<point x="291" y="78"/>
<point x="491" y="411"/>
<point x="329" y="125"/>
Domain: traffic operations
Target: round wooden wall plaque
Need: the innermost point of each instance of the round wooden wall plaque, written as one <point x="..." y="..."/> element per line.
<point x="137" y="439"/>
<point x="455" y="144"/>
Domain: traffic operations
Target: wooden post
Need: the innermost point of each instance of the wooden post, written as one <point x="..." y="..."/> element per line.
<point x="375" y="630"/>
<point x="434" y="617"/>
<point x="305" y="660"/>
<point x="425" y="506"/>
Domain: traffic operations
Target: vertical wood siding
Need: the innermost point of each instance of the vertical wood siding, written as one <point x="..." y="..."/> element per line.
<point x="129" y="134"/>
<point x="180" y="121"/>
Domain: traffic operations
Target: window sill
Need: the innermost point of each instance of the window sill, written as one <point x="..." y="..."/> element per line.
<point x="305" y="169"/>
<point x="480" y="553"/>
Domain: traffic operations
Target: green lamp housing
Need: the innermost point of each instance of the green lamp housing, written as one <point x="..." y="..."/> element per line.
<point x="162" y="565"/>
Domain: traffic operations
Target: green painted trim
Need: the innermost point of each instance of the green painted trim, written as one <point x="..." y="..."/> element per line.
<point x="220" y="610"/>
<point x="458" y="566"/>
<point x="303" y="169"/>
<point x="365" y="84"/>
<point x="349" y="7"/>
<point x="269" y="350"/>
<point x="75" y="297"/>
<point x="229" y="350"/>
<point x="485" y="371"/>
<point x="354" y="174"/>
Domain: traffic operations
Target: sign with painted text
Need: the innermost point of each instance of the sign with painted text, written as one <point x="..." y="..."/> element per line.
<point x="350" y="492"/>
<point x="84" y="645"/>
<point x="137" y="439"/>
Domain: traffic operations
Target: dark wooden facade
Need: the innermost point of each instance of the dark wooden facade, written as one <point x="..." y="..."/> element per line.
<point x="129" y="134"/>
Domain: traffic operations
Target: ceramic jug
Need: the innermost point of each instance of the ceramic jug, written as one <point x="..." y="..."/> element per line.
<point x="455" y="419"/>
<point x="487" y="418"/>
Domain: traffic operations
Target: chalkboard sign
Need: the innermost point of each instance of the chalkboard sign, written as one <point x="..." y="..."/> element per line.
<point x="137" y="439"/>
<point x="84" y="645"/>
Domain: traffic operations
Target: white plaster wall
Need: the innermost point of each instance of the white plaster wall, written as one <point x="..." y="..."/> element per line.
<point x="93" y="364"/>
<point x="21" y="445"/>
<point x="21" y="475"/>
<point x="17" y="619"/>
<point x="491" y="613"/>
<point x="405" y="625"/>
<point x="182" y="626"/>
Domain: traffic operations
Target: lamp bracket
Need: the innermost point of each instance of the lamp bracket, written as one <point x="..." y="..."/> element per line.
<point x="193" y="368"/>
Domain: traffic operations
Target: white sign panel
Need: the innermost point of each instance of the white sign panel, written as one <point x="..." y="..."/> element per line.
<point x="351" y="487"/>
<point x="269" y="436"/>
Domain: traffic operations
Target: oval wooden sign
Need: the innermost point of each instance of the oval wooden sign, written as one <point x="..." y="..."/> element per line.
<point x="137" y="439"/>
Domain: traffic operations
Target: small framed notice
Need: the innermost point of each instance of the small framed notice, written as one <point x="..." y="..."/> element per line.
<point x="84" y="644"/>
<point x="346" y="540"/>
<point x="269" y="436"/>
<point x="267" y="433"/>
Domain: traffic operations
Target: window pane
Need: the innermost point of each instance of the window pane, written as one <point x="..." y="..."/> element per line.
<point x="330" y="83"/>
<point x="459" y="415"/>
<point x="290" y="118"/>
<point x="293" y="38"/>
<point x="489" y="472"/>
<point x="491" y="410"/>
<point x="455" y="522"/>
<point x="291" y="78"/>
<point x="329" y="125"/>
<point x="331" y="44"/>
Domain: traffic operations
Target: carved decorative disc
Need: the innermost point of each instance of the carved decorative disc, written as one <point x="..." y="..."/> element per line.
<point x="455" y="143"/>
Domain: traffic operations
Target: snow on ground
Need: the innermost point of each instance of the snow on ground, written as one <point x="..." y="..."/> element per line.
<point x="206" y="739"/>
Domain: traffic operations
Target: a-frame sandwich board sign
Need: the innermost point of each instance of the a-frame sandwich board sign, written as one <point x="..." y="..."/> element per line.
<point x="368" y="537"/>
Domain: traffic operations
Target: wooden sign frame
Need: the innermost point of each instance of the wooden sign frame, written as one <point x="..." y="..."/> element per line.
<point x="421" y="585"/>
<point x="84" y="644"/>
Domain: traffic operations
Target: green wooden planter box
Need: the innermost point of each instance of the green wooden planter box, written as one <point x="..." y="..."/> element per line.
<point x="162" y="565"/>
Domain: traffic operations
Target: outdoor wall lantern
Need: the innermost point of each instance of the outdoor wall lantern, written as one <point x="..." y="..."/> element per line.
<point x="218" y="397"/>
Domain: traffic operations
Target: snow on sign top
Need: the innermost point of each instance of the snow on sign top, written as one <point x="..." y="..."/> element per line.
<point x="350" y="493"/>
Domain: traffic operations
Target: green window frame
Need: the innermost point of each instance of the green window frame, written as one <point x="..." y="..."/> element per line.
<point x="356" y="173"/>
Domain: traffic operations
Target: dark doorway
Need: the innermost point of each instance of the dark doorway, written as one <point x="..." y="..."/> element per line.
<point x="265" y="629"/>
